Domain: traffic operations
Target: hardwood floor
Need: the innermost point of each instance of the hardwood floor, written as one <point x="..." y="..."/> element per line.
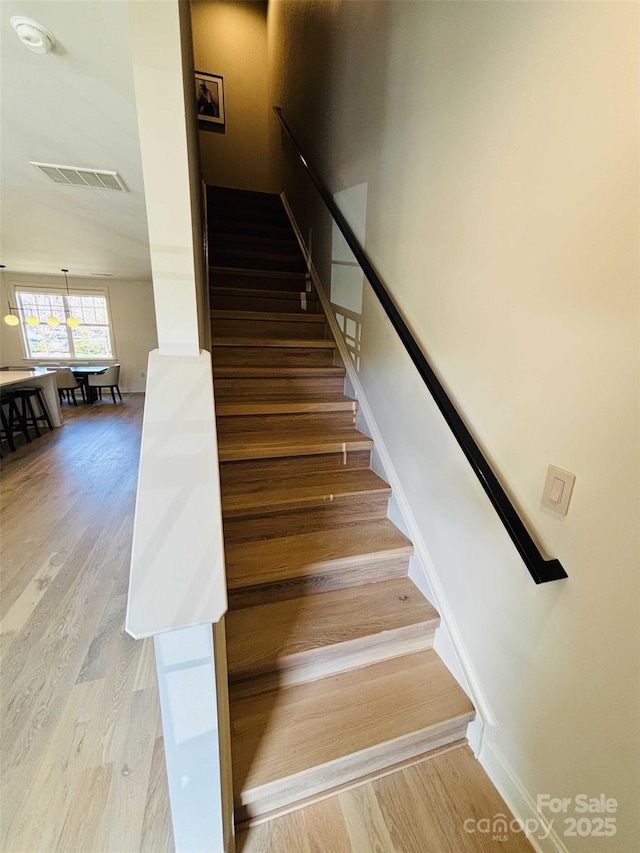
<point x="421" y="809"/>
<point x="80" y="738"/>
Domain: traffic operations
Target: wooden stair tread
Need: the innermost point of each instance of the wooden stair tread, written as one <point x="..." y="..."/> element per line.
<point x="243" y="492"/>
<point x="276" y="636"/>
<point x="269" y="294"/>
<point x="220" y="236"/>
<point x="260" y="436"/>
<point x="238" y="252"/>
<point x="324" y="729"/>
<point x="282" y="372"/>
<point x="271" y="560"/>
<point x="281" y="317"/>
<point x="288" y="343"/>
<point x="241" y="480"/>
<point x="286" y="405"/>
<point x="247" y="271"/>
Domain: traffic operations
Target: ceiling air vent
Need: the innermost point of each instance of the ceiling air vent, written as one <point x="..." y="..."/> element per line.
<point x="76" y="177"/>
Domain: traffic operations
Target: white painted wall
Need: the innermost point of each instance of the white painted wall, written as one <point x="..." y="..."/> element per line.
<point x="499" y="144"/>
<point x="158" y="80"/>
<point x="230" y="39"/>
<point x="133" y="324"/>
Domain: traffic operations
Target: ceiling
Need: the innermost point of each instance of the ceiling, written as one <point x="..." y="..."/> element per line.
<point x="75" y="107"/>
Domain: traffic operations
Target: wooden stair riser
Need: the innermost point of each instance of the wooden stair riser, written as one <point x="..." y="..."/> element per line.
<point x="301" y="466"/>
<point x="288" y="246"/>
<point x="226" y="203"/>
<point x="293" y="388"/>
<point x="249" y="229"/>
<point x="228" y="328"/>
<point x="246" y="261"/>
<point x="217" y="193"/>
<point x="327" y="517"/>
<point x="284" y="407"/>
<point x="229" y="299"/>
<point x="235" y="452"/>
<point x="274" y="357"/>
<point x="248" y="492"/>
<point x="272" y="424"/>
<point x="300" y="669"/>
<point x="266" y="251"/>
<point x="275" y="436"/>
<point x="229" y="210"/>
<point x="251" y="215"/>
<point x="260" y="280"/>
<point x="332" y="632"/>
<point x="372" y="504"/>
<point x="341" y="577"/>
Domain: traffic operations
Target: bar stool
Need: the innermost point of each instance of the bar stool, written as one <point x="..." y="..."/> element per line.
<point x="25" y="397"/>
<point x="6" y="433"/>
<point x="12" y="421"/>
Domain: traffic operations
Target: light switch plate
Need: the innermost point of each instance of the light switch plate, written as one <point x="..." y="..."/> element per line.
<point x="557" y="490"/>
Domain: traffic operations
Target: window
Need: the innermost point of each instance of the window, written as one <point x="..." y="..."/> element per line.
<point x="90" y="339"/>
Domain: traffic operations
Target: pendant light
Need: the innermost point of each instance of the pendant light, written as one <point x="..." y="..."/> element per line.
<point x="71" y="321"/>
<point x="10" y="318"/>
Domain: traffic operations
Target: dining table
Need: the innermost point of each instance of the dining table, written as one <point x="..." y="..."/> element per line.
<point x="83" y="372"/>
<point x="36" y="378"/>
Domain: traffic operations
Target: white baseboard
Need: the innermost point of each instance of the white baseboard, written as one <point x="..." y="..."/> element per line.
<point x="449" y="643"/>
<point x="543" y="834"/>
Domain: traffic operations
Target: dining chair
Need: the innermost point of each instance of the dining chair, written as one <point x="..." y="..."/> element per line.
<point x="68" y="385"/>
<point x="109" y="379"/>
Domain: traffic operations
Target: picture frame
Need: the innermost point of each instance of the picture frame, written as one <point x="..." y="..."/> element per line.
<point x="210" y="97"/>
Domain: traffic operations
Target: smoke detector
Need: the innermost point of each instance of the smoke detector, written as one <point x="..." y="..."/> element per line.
<point x="33" y="35"/>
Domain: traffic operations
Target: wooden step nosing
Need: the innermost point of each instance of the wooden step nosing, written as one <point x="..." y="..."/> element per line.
<point x="333" y="791"/>
<point x="262" y="293"/>
<point x="267" y="451"/>
<point x="228" y="409"/>
<point x="346" y="769"/>
<point x="332" y="658"/>
<point x="320" y="372"/>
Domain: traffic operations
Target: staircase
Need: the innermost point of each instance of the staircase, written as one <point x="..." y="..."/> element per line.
<point x="333" y="678"/>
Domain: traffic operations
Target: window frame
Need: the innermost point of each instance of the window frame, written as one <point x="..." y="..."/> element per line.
<point x="61" y="291"/>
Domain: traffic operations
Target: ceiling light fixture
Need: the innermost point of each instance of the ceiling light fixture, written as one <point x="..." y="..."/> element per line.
<point x="33" y="35"/>
<point x="10" y="318"/>
<point x="71" y="321"/>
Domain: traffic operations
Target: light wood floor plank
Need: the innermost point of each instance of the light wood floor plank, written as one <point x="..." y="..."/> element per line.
<point x="421" y="809"/>
<point x="364" y="821"/>
<point x="78" y="700"/>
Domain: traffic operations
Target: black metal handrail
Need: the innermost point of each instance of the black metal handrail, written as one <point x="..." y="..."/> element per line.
<point x="542" y="570"/>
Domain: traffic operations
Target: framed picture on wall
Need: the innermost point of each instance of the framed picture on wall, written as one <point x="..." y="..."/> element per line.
<point x="210" y="97"/>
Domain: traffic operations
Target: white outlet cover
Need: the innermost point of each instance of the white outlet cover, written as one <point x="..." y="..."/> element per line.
<point x="558" y="489"/>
